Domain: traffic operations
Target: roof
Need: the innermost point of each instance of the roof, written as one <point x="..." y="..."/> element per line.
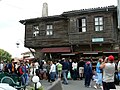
<point x="68" y="13"/>
<point x="55" y="17"/>
<point x="91" y="10"/>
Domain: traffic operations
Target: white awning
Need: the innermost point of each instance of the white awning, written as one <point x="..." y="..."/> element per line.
<point x="90" y="53"/>
<point x="110" y="52"/>
<point x="68" y="54"/>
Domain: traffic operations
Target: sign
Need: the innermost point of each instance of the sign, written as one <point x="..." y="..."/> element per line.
<point x="97" y="39"/>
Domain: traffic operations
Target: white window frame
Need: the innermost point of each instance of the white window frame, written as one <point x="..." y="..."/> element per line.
<point x="49" y="29"/>
<point x="98" y="23"/>
<point x="83" y="26"/>
<point x="36" y="30"/>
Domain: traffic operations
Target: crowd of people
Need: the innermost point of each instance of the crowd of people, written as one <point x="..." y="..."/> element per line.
<point x="104" y="75"/>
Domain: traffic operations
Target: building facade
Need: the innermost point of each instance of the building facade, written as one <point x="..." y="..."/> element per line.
<point x="88" y="33"/>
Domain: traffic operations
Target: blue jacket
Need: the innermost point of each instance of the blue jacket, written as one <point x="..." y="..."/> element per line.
<point x="98" y="70"/>
<point x="88" y="70"/>
<point x="65" y="66"/>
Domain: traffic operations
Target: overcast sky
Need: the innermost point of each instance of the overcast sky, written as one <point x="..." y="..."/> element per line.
<point x="12" y="11"/>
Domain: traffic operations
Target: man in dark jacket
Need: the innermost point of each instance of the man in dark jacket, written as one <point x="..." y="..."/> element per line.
<point x="88" y="74"/>
<point x="65" y="68"/>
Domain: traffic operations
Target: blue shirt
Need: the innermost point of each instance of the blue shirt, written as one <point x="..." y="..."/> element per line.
<point x="98" y="70"/>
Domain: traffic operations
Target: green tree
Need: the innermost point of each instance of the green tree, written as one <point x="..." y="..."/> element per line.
<point x="4" y="55"/>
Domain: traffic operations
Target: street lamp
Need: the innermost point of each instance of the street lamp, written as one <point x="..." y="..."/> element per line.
<point x="17" y="43"/>
<point x="35" y="80"/>
<point x="38" y="84"/>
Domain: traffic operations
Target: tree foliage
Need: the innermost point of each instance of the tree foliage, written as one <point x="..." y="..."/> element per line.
<point x="4" y="55"/>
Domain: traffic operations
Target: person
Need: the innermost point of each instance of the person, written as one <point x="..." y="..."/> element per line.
<point x="70" y="68"/>
<point x="32" y="69"/>
<point x="99" y="74"/>
<point x="116" y="76"/>
<point x="108" y="67"/>
<point x="88" y="73"/>
<point x="44" y="70"/>
<point x="36" y="67"/>
<point x="1" y="66"/>
<point x="65" y="69"/>
<point x="80" y="67"/>
<point x="48" y="69"/>
<point x="74" y="68"/>
<point x="118" y="68"/>
<point x="52" y="71"/>
<point x="59" y="69"/>
<point x="11" y="67"/>
<point x="6" y="67"/>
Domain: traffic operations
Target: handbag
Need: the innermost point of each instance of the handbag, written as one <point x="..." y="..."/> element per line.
<point x="68" y="75"/>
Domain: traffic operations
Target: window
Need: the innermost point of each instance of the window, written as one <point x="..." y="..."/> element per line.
<point x="82" y="25"/>
<point x="98" y="23"/>
<point x="49" y="30"/>
<point x="35" y="30"/>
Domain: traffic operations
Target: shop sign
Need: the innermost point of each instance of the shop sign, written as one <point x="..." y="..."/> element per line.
<point x="97" y="39"/>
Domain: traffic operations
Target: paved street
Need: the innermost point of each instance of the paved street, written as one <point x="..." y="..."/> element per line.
<point x="73" y="85"/>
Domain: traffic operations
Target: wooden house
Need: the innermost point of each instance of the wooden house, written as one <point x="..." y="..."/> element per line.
<point x="88" y="33"/>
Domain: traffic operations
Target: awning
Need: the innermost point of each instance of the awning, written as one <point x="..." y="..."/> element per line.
<point x="110" y="52"/>
<point x="68" y="54"/>
<point x="53" y="50"/>
<point x="90" y="53"/>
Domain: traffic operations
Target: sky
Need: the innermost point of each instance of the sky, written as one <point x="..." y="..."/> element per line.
<point x="12" y="11"/>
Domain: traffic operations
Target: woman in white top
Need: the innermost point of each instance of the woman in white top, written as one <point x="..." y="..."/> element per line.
<point x="108" y="67"/>
<point x="52" y="71"/>
<point x="74" y="68"/>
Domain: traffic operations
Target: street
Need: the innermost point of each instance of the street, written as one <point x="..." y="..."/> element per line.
<point x="73" y="85"/>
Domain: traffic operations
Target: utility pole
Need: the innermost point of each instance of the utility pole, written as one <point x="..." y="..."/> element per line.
<point x="118" y="18"/>
<point x="118" y="13"/>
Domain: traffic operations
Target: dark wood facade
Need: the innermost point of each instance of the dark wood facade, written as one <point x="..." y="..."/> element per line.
<point x="66" y="32"/>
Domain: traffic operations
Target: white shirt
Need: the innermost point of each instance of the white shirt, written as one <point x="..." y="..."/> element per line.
<point x="52" y="68"/>
<point x="36" y="65"/>
<point x="108" y="72"/>
<point x="118" y="66"/>
<point x="74" y="65"/>
<point x="1" y="66"/>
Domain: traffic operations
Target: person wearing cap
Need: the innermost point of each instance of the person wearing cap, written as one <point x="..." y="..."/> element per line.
<point x="87" y="73"/>
<point x="108" y="67"/>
